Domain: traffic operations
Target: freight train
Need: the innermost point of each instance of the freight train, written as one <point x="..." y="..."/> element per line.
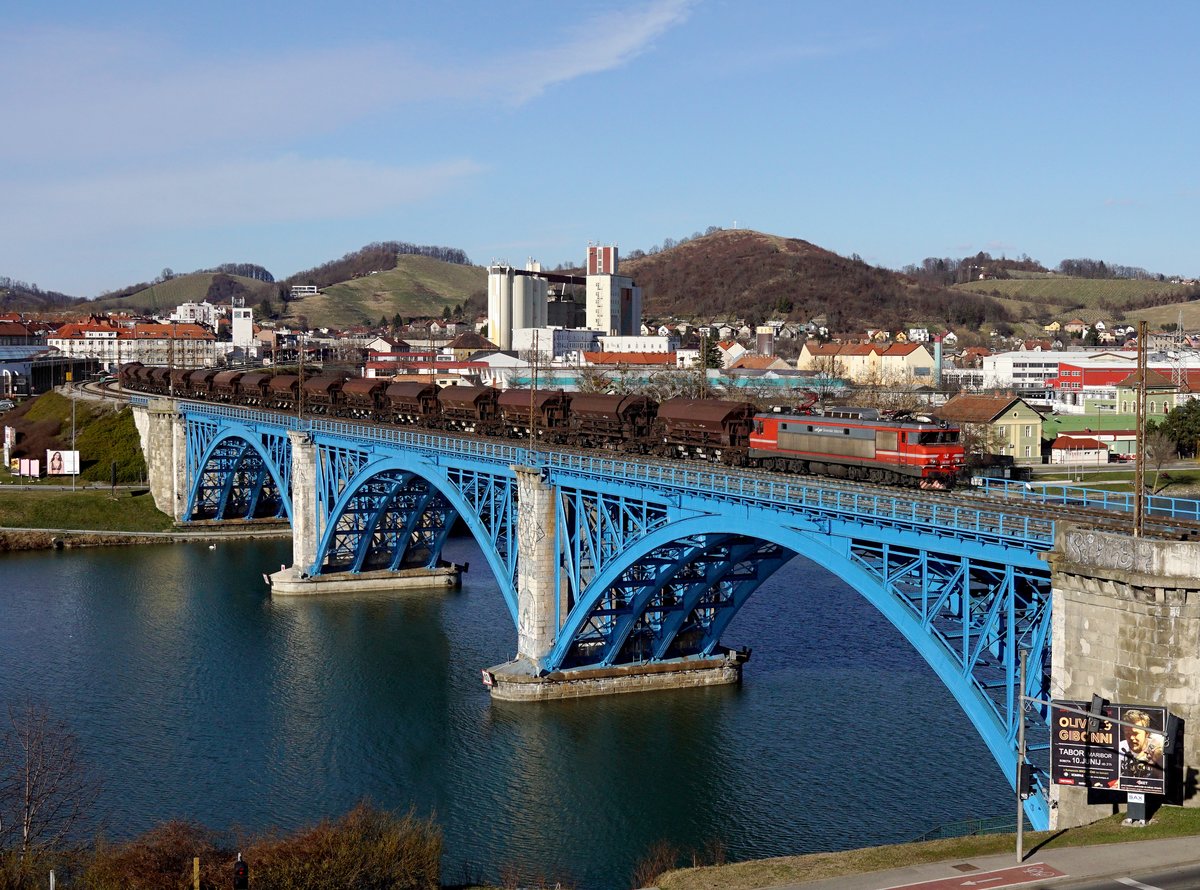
<point x="846" y="443"/>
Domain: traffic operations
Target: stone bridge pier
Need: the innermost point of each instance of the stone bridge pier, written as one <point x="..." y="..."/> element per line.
<point x="542" y="608"/>
<point x="163" y="433"/>
<point x="1126" y="626"/>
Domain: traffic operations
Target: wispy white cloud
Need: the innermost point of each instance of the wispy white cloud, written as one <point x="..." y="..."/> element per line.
<point x="595" y="46"/>
<point x="106" y="96"/>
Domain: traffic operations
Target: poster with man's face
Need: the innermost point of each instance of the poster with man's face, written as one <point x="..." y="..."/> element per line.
<point x="1141" y="749"/>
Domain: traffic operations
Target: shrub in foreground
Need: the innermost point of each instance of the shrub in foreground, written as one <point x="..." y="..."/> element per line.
<point x="367" y="849"/>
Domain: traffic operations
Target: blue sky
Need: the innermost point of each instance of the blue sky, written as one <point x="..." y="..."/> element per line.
<point x="139" y="135"/>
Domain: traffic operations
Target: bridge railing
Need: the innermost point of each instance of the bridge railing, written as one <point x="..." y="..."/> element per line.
<point x="1098" y="498"/>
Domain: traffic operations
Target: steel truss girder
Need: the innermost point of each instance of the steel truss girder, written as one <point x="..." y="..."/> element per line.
<point x="676" y="601"/>
<point x="392" y="520"/>
<point x="373" y="501"/>
<point x="492" y="499"/>
<point x="236" y="472"/>
<point x="594" y="528"/>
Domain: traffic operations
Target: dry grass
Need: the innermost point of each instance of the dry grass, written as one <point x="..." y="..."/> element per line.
<point x="367" y="849"/>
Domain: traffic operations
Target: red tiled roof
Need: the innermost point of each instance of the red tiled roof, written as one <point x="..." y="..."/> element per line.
<point x="974" y="408"/>
<point x="759" y="362"/>
<point x="1153" y="379"/>
<point x="1072" y="443"/>
<point x="630" y="358"/>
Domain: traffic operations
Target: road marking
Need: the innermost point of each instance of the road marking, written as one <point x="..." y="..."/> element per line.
<point x="1005" y="877"/>
<point x="1130" y="882"/>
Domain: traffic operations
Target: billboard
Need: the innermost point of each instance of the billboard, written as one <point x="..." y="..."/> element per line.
<point x="62" y="463"/>
<point x="1110" y="756"/>
<point x="23" y="466"/>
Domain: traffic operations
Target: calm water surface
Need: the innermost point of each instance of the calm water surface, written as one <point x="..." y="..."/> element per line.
<point x="198" y="696"/>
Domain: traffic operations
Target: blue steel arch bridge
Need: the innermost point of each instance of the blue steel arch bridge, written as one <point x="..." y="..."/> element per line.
<point x="654" y="560"/>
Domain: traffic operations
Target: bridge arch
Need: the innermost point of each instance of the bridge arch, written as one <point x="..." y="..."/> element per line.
<point x="771" y="545"/>
<point x="231" y="450"/>
<point x="399" y="475"/>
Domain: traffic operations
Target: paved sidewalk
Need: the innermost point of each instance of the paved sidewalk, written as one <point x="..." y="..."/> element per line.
<point x="1073" y="862"/>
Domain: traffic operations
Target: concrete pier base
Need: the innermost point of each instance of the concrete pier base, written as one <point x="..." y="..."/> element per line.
<point x="291" y="581"/>
<point x="519" y="681"/>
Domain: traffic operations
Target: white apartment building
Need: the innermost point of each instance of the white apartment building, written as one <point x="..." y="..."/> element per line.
<point x="554" y="343"/>
<point x="652" y="343"/>
<point x="1024" y="369"/>
<point x="204" y="313"/>
<point x="179" y="345"/>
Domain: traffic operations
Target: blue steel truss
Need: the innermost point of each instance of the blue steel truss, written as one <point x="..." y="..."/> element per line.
<point x="655" y="560"/>
<point x="237" y="470"/>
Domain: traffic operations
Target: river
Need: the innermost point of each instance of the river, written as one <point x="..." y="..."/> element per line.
<point x="198" y="696"/>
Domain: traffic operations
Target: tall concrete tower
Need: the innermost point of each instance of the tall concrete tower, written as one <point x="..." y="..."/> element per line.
<point x="516" y="299"/>
<point x="242" y="322"/>
<point x="614" y="303"/>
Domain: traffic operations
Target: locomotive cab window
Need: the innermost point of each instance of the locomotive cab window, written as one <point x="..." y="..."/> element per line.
<point x="945" y="437"/>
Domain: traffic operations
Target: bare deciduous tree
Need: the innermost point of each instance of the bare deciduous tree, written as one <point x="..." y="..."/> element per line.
<point x="46" y="790"/>
<point x="1159" y="449"/>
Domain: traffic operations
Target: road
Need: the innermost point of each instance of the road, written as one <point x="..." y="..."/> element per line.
<point x="1161" y="864"/>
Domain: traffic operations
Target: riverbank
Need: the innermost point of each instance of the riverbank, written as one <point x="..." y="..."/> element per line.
<point x="785" y="871"/>
<point x="46" y="519"/>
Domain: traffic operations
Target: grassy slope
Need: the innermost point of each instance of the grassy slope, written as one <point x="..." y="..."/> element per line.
<point x="1062" y="299"/>
<point x="1070" y="291"/>
<point x="418" y="286"/>
<point x="128" y="512"/>
<point x="103" y="435"/>
<point x="1168" y="822"/>
<point x="181" y="289"/>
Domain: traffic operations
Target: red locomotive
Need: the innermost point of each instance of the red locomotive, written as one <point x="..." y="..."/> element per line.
<point x="861" y="444"/>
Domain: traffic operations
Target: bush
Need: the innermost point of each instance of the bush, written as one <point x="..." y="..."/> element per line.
<point x="161" y="859"/>
<point x="367" y="849"/>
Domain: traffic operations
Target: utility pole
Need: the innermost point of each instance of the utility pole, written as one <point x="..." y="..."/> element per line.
<point x="300" y="376"/>
<point x="533" y="389"/>
<point x="1139" y="472"/>
<point x="74" y="454"/>
<point x="171" y="362"/>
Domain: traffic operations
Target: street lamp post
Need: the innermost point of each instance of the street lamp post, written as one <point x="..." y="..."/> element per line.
<point x="1021" y="757"/>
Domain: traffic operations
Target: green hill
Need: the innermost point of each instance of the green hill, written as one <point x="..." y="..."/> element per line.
<point x="417" y="286"/>
<point x="1094" y="293"/>
<point x="191" y="288"/>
